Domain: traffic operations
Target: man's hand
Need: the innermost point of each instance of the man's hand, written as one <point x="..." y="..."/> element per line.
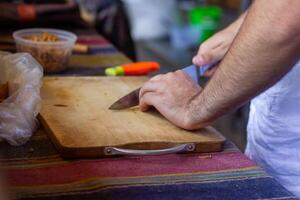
<point x="170" y="94"/>
<point x="215" y="48"/>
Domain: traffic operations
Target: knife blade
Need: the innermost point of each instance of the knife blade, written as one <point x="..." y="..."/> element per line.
<point x="127" y="101"/>
<point x="132" y="99"/>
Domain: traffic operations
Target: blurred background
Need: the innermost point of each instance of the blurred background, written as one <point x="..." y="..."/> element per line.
<point x="165" y="31"/>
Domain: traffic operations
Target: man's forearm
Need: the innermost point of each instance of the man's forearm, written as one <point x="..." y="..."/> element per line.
<point x="265" y="48"/>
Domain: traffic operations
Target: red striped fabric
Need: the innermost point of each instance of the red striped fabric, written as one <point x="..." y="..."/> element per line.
<point x="128" y="167"/>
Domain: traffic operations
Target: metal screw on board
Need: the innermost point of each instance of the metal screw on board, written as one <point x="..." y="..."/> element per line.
<point x="190" y="147"/>
<point x="108" y="151"/>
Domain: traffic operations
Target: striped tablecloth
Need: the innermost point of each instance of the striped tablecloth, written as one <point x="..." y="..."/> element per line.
<point x="36" y="171"/>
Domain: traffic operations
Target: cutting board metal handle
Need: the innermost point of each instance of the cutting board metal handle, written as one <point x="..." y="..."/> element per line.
<point x="189" y="147"/>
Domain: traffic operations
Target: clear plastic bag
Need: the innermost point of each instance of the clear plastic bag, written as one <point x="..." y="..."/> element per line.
<point x="18" y="112"/>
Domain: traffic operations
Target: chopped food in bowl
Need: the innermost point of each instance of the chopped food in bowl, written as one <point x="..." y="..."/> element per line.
<point x="51" y="47"/>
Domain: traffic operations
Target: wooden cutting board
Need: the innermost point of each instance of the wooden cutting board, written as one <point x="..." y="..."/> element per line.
<point x="76" y="116"/>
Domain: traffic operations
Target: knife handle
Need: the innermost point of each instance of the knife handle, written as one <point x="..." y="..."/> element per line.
<point x="205" y="68"/>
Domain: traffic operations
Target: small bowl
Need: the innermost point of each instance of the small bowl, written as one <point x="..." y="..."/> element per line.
<point x="52" y="55"/>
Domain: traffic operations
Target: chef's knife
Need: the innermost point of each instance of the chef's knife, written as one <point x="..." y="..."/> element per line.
<point x="132" y="99"/>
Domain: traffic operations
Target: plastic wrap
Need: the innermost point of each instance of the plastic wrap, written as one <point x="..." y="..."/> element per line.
<point x="18" y="112"/>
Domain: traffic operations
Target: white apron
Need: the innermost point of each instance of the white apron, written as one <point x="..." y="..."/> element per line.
<point x="274" y="130"/>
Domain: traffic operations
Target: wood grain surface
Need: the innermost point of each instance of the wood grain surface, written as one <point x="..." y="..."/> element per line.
<point x="75" y="114"/>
